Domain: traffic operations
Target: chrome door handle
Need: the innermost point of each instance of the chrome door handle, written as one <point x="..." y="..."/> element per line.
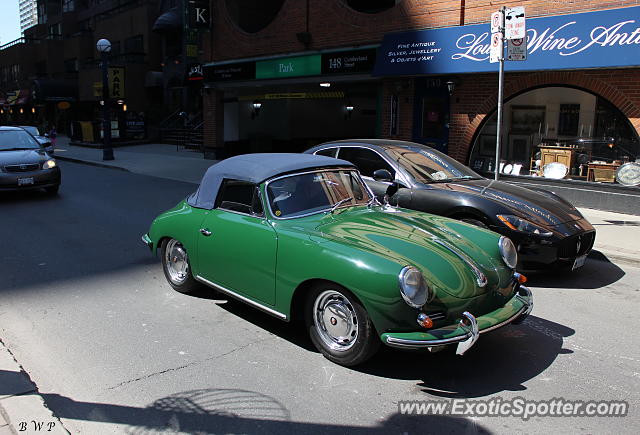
<point x="205" y="231"/>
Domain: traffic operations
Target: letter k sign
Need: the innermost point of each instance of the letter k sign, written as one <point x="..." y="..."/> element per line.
<point x="200" y="15"/>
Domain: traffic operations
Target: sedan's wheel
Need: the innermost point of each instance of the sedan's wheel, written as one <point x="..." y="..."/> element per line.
<point x="339" y="326"/>
<point x="176" y="267"/>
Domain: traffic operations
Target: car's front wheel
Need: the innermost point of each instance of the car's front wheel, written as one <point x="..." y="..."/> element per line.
<point x="339" y="326"/>
<point x="176" y="267"/>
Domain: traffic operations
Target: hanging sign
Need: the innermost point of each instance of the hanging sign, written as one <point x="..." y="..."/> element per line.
<point x="199" y="14"/>
<point x="116" y="83"/>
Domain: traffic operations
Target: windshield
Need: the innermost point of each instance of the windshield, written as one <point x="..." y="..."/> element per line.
<point x="17" y="139"/>
<point x="429" y="166"/>
<point x="33" y="130"/>
<point x="304" y="194"/>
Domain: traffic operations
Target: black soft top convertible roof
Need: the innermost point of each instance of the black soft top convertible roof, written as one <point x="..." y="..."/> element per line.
<point x="255" y="168"/>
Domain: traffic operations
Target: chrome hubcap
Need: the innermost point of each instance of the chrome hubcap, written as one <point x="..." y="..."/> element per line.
<point x="176" y="262"/>
<point x="335" y="320"/>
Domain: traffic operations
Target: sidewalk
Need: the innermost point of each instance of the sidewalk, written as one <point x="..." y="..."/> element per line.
<point x="158" y="160"/>
<point x="22" y="409"/>
<point x="617" y="235"/>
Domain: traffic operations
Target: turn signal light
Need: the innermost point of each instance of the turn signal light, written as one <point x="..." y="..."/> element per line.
<point x="520" y="278"/>
<point x="425" y="321"/>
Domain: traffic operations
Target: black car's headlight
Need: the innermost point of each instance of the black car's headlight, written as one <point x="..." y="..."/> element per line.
<point x="413" y="287"/>
<point x="519" y="224"/>
<point x="508" y="252"/>
<point x="49" y="164"/>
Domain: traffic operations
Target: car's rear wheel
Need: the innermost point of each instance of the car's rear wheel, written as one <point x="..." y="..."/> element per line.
<point x="339" y="326"/>
<point x="176" y="267"/>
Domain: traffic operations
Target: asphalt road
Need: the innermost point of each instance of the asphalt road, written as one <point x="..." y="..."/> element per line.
<point x="86" y="311"/>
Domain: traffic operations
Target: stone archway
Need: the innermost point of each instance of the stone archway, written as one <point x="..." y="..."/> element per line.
<point x="620" y="87"/>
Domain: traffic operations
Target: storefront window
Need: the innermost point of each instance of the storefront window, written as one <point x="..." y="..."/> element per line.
<point x="558" y="132"/>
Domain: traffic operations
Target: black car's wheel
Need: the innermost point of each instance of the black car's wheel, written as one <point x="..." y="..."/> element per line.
<point x="52" y="190"/>
<point x="339" y="326"/>
<point x="176" y="267"/>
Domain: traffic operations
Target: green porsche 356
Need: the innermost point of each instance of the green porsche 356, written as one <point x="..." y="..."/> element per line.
<point x="301" y="237"/>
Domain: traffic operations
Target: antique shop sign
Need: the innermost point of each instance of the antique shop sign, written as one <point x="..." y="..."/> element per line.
<point x="600" y="39"/>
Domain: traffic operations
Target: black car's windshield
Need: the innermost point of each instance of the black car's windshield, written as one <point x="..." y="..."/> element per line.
<point x="429" y="166"/>
<point x="304" y="194"/>
<point x="17" y="140"/>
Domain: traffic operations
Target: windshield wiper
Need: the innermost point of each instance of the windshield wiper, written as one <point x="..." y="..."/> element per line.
<point x="339" y="203"/>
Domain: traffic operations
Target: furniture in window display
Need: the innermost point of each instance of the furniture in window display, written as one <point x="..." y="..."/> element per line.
<point x="602" y="171"/>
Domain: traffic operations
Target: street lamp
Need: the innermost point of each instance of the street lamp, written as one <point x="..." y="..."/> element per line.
<point x="104" y="47"/>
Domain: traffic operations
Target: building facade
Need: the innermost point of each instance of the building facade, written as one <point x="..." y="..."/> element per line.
<point x="52" y="75"/>
<point x="420" y="71"/>
<point x="28" y="14"/>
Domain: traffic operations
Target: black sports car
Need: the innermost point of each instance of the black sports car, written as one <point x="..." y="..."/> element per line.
<point x="547" y="229"/>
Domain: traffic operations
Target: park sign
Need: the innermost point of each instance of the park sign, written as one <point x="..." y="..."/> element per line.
<point x="602" y="39"/>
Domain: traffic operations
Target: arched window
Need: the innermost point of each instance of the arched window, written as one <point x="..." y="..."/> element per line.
<point x="253" y="15"/>
<point x="579" y="132"/>
<point x="371" y="6"/>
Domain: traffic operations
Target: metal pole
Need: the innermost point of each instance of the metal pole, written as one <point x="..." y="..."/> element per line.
<point x="500" y="97"/>
<point x="107" y="150"/>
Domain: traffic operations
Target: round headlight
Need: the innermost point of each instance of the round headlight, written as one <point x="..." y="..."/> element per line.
<point x="49" y="164"/>
<point x="508" y="251"/>
<point x="413" y="287"/>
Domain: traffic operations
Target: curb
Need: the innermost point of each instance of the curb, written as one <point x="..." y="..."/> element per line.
<point x="90" y="163"/>
<point x="22" y="408"/>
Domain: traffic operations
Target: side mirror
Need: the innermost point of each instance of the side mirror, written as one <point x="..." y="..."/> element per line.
<point x="46" y="135"/>
<point x="382" y="175"/>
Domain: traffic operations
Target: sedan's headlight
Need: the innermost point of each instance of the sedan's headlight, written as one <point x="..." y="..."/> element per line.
<point x="508" y="252"/>
<point x="518" y="224"/>
<point x="49" y="164"/>
<point x="413" y="288"/>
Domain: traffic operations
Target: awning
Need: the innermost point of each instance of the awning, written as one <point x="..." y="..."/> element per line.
<point x="54" y="90"/>
<point x="170" y="21"/>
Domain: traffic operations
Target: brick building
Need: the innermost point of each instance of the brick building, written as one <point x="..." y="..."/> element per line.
<point x="266" y="61"/>
<point x="53" y="73"/>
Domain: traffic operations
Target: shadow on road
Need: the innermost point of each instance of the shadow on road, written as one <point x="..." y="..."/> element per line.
<point x="234" y="411"/>
<point x="597" y="272"/>
<point x="502" y="360"/>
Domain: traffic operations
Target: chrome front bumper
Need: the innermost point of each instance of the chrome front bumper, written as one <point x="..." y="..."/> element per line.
<point x="469" y="326"/>
<point x="147" y="241"/>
